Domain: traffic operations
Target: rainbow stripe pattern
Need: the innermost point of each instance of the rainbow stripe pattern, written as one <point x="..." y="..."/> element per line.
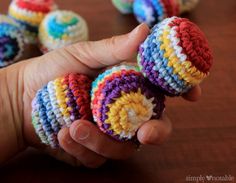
<point x="61" y="28"/>
<point x="154" y="11"/>
<point x="58" y="104"/>
<point x="29" y="14"/>
<point x="124" y="6"/>
<point x="122" y="100"/>
<point x="11" y="41"/>
<point x="175" y="56"/>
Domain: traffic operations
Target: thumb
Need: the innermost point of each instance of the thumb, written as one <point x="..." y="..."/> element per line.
<point x="85" y="57"/>
<point x="111" y="51"/>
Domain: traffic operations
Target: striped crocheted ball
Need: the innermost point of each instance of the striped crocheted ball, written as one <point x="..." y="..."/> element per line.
<point x="11" y="41"/>
<point x="59" y="104"/>
<point x="153" y="11"/>
<point x="61" y="28"/>
<point x="124" y="6"/>
<point x="30" y="13"/>
<point x="175" y="56"/>
<point x="122" y="100"/>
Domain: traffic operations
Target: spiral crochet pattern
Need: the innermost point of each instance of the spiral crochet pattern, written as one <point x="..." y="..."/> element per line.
<point x="122" y="100"/>
<point x="30" y="13"/>
<point x="154" y="11"/>
<point x="58" y="104"/>
<point x="11" y="41"/>
<point x="124" y="6"/>
<point x="61" y="28"/>
<point x="175" y="56"/>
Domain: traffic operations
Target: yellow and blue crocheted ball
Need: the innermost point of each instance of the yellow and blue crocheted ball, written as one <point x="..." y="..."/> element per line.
<point x="122" y="100"/>
<point x="61" y="28"/>
<point x="124" y="6"/>
<point x="175" y="56"/>
<point x="59" y="104"/>
<point x="29" y="14"/>
<point x="154" y="11"/>
<point x="11" y="41"/>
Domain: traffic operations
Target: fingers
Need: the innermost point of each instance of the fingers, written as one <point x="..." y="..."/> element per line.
<point x="61" y="155"/>
<point x="81" y="153"/>
<point x="88" y="135"/>
<point x="193" y="94"/>
<point x="85" y="57"/>
<point x="110" y="51"/>
<point x="155" y="132"/>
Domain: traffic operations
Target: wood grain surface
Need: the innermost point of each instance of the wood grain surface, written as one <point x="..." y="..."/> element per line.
<point x="204" y="136"/>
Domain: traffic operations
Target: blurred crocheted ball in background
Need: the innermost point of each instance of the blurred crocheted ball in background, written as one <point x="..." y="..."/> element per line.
<point x="122" y="100"/>
<point x="61" y="28"/>
<point x="29" y="14"/>
<point x="11" y="41"/>
<point x="154" y="11"/>
<point x="124" y="6"/>
<point x="175" y="56"/>
<point x="59" y="104"/>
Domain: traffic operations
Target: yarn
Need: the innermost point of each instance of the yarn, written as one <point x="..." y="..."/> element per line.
<point x="122" y="100"/>
<point x="61" y="28"/>
<point x="124" y="6"/>
<point x="59" y="104"/>
<point x="154" y="11"/>
<point x="29" y="14"/>
<point x="175" y="56"/>
<point x="11" y="41"/>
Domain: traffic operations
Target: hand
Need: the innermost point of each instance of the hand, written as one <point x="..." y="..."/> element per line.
<point x="82" y="143"/>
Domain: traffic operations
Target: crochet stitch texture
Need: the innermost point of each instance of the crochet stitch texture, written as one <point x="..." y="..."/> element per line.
<point x="154" y="11"/>
<point x="175" y="56"/>
<point x="60" y="103"/>
<point x="29" y="14"/>
<point x="11" y="41"/>
<point x="122" y="100"/>
<point x="61" y="28"/>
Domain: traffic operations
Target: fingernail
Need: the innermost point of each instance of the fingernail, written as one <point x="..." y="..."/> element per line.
<point x="81" y="132"/>
<point x="135" y="30"/>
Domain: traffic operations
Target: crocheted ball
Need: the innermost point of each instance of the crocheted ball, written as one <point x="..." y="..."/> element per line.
<point x="30" y="13"/>
<point x="11" y="41"/>
<point x="59" y="104"/>
<point x="122" y="100"/>
<point x="124" y="6"/>
<point x="175" y="56"/>
<point x="153" y="11"/>
<point x="61" y="28"/>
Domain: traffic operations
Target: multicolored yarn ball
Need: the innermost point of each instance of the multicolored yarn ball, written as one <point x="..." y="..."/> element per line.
<point x="61" y="28"/>
<point x="122" y="100"/>
<point x="59" y="104"/>
<point x="154" y="11"/>
<point x="175" y="56"/>
<point x="11" y="41"/>
<point x="30" y="13"/>
<point x="124" y="6"/>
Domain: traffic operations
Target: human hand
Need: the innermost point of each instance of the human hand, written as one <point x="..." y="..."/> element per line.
<point x="82" y="143"/>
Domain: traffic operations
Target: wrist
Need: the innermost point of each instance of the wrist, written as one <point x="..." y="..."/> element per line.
<point x="11" y="114"/>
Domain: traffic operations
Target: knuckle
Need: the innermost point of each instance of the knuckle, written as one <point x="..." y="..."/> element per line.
<point x="81" y="152"/>
<point x="100" y="147"/>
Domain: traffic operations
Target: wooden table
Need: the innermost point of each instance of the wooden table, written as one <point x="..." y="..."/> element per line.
<point x="204" y="136"/>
